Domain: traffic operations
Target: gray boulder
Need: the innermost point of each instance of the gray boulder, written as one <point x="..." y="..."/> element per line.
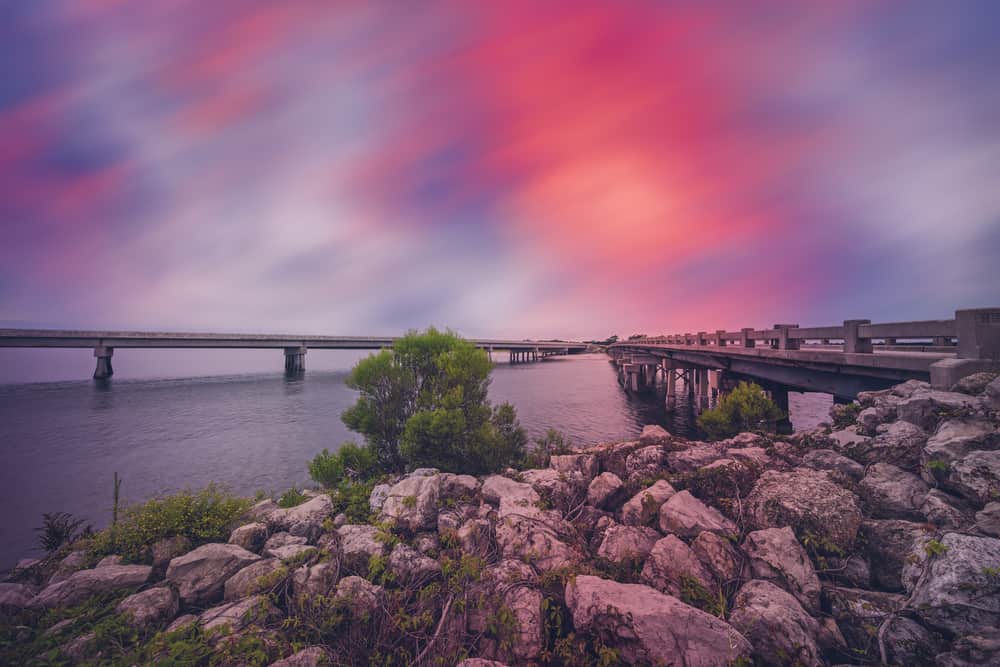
<point x="627" y="544"/>
<point x="497" y="487"/>
<point x="982" y="648"/>
<point x="974" y="384"/>
<point x="648" y="627"/>
<point x="827" y="459"/>
<point x="458" y="486"/>
<point x="720" y="557"/>
<point x="411" y="567"/>
<point x="360" y="596"/>
<point x="653" y="434"/>
<point x="165" y="550"/>
<point x="645" y="462"/>
<point x="888" y="545"/>
<point x="200" y="575"/>
<point x="75" y="561"/>
<point x="358" y="543"/>
<point x="314" y="656"/>
<point x="775" y="555"/>
<point x="673" y="568"/>
<point x="250" y="536"/>
<point x="988" y="519"/>
<point x="604" y="490"/>
<point x="585" y="464"/>
<point x="305" y="520"/>
<point x="892" y="493"/>
<point x="975" y="477"/>
<point x="516" y="583"/>
<point x="925" y="408"/>
<point x="781" y="631"/>
<point x="809" y="502"/>
<point x="412" y="503"/>
<point x="310" y="582"/>
<point x="15" y="596"/>
<point x="859" y="614"/>
<point x="685" y="515"/>
<point x="238" y="616"/>
<point x="956" y="592"/>
<point x="82" y="584"/>
<point x="945" y="510"/>
<point x="150" y="607"/>
<point x="561" y="489"/>
<point x="642" y="508"/>
<point x="377" y="497"/>
<point x="899" y="443"/>
<point x="250" y="580"/>
<point x="956" y="438"/>
<point x="909" y="643"/>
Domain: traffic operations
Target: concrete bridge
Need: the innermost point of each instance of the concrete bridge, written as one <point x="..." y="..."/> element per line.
<point x="294" y="346"/>
<point x="841" y="360"/>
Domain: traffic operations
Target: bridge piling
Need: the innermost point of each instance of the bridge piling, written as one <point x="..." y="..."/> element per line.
<point x="295" y="360"/>
<point x="104" y="369"/>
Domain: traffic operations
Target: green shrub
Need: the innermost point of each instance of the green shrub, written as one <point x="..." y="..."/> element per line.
<point x="60" y="528"/>
<point x="292" y="498"/>
<point x="352" y="498"/>
<point x="746" y="408"/>
<point x="202" y="516"/>
<point x="551" y="444"/>
<point x="350" y="462"/>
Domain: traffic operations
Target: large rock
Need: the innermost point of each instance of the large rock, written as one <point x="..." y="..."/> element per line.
<point x="781" y="631"/>
<point x="314" y="656"/>
<point x="200" y="575"/>
<point x="250" y="536"/>
<point x="720" y="557"/>
<point x="909" y="643"/>
<point x="458" y="486"/>
<point x="945" y="510"/>
<point x="605" y="490"/>
<point x="974" y="384"/>
<point x="892" y="493"/>
<point x="672" y="567"/>
<point x="926" y="408"/>
<point x="560" y="489"/>
<point x="859" y="614"/>
<point x="827" y="459"/>
<point x="515" y="582"/>
<point x="982" y="648"/>
<point x="653" y="434"/>
<point x="238" y="616"/>
<point x="648" y="627"/>
<point x="497" y="488"/>
<point x="988" y="519"/>
<point x="358" y="543"/>
<point x="642" y="508"/>
<point x="73" y="562"/>
<point x="305" y="520"/>
<point x="84" y="583"/>
<point x="377" y="497"/>
<point x="625" y="545"/>
<point x="888" y="544"/>
<point x="975" y="477"/>
<point x="411" y="567"/>
<point x="360" y="596"/>
<point x="696" y="455"/>
<point x="537" y="537"/>
<point x="150" y="607"/>
<point x="310" y="582"/>
<point x="585" y="464"/>
<point x="412" y="503"/>
<point x="644" y="463"/>
<point x="775" y="555"/>
<point x="165" y="550"/>
<point x="956" y="592"/>
<point x="956" y="438"/>
<point x="15" y="596"/>
<point x="685" y="515"/>
<point x="899" y="443"/>
<point x="252" y="579"/>
<point x="809" y="502"/>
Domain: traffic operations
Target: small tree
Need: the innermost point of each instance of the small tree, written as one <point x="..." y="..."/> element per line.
<point x="425" y="403"/>
<point x="746" y="408"/>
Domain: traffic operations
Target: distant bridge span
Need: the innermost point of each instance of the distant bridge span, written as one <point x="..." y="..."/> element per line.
<point x="840" y="360"/>
<point x="295" y="346"/>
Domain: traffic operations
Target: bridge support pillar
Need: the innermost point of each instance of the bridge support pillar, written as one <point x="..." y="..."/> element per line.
<point x="295" y="359"/>
<point x="104" y="369"/>
<point x="780" y="396"/>
<point x="702" y="381"/>
<point x="671" y="385"/>
<point x="784" y="342"/>
<point x="745" y="338"/>
<point x="978" y="347"/>
<point x="852" y="343"/>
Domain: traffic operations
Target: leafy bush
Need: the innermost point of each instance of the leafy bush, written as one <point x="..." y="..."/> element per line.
<point x="350" y="462"/>
<point x="351" y="498"/>
<point x="424" y="403"/>
<point x="59" y="528"/>
<point x="292" y="498"/>
<point x="202" y="516"/>
<point x="746" y="408"/>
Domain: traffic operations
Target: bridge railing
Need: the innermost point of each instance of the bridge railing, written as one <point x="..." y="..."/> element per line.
<point x="973" y="334"/>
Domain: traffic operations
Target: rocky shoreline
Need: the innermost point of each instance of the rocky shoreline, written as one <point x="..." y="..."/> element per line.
<point x="871" y="540"/>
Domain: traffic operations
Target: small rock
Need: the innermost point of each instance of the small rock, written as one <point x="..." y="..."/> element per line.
<point x="250" y="536"/>
<point x="360" y="595"/>
<point x="645" y="462"/>
<point x="75" y="561"/>
<point x="497" y="487"/>
<point x="358" y="543"/>
<point x="982" y="648"/>
<point x="925" y="407"/>
<point x="304" y="520"/>
<point x="310" y="582"/>
<point x="314" y="656"/>
<point x="410" y="567"/>
<point x="827" y="459"/>
<point x="261" y="510"/>
<point x="956" y="438"/>
<point x="238" y="616"/>
<point x="775" y="555"/>
<point x="166" y="550"/>
<point x="942" y="510"/>
<point x="860" y="613"/>
<point x="290" y="551"/>
<point x="181" y="622"/>
<point x="279" y="540"/>
<point x="605" y="490"/>
<point x="685" y="515"/>
<point x="378" y="495"/>
<point x="458" y="486"/>
<point x="644" y="506"/>
<point x="585" y="464"/>
<point x="719" y="555"/>
<point x="909" y="643"/>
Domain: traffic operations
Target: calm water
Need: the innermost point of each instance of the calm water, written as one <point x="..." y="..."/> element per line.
<point x="62" y="441"/>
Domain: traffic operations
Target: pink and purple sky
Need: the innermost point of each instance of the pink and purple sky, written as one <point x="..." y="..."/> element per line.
<point x="514" y="169"/>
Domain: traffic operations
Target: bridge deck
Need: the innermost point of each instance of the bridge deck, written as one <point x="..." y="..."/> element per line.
<point x="93" y="339"/>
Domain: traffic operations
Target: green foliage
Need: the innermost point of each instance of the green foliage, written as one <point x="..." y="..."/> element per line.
<point x="60" y="528"/>
<point x="934" y="548"/>
<point x="350" y="462"/>
<point x="746" y="408"/>
<point x="203" y="516"/>
<point x="845" y="415"/>
<point x="424" y="404"/>
<point x="351" y="498"/>
<point x="291" y="498"/>
<point x="551" y="444"/>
